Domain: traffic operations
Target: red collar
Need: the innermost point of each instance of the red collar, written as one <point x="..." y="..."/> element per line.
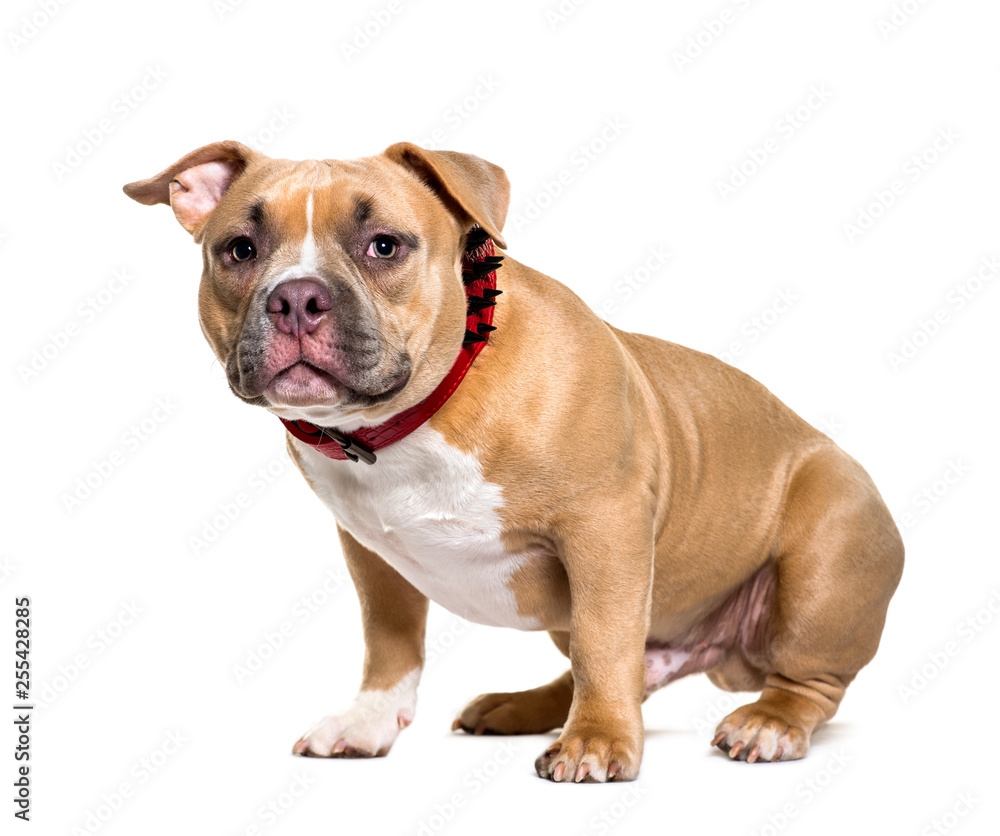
<point x="480" y="287"/>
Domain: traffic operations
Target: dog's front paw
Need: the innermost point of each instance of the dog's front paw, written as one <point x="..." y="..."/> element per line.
<point x="591" y="755"/>
<point x="349" y="735"/>
<point x="367" y="729"/>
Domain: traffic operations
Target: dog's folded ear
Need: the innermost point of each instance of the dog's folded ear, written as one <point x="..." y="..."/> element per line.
<point x="473" y="189"/>
<point x="194" y="185"/>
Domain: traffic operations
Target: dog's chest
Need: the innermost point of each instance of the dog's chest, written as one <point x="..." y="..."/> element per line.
<point x="426" y="509"/>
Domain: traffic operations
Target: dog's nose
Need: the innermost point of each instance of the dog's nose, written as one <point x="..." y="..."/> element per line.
<point x="297" y="306"/>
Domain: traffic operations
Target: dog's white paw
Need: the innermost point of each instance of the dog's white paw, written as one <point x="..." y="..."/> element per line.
<point x="368" y="728"/>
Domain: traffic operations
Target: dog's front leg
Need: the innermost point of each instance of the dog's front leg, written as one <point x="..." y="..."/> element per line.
<point x="394" y="618"/>
<point x="609" y="565"/>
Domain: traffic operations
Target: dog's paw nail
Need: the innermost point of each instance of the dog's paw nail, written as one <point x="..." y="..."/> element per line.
<point x="300" y="747"/>
<point x="582" y="772"/>
<point x="557" y="774"/>
<point x="613" y="769"/>
<point x="403" y="719"/>
<point x="480" y="728"/>
<point x="718" y="738"/>
<point x="339" y="746"/>
<point x="456" y="724"/>
<point x="754" y="754"/>
<point x="736" y="749"/>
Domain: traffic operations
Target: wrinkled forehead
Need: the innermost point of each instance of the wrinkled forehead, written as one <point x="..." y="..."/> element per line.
<point x="333" y="197"/>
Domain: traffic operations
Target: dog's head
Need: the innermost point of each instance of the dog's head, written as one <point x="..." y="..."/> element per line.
<point x="332" y="290"/>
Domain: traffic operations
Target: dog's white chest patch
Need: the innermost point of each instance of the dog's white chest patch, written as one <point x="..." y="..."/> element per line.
<point x="426" y="509"/>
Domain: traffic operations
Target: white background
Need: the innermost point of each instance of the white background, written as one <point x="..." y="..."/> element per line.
<point x="527" y="89"/>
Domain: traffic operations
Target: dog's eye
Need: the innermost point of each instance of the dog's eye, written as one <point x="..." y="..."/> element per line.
<point x="242" y="249"/>
<point x="382" y="247"/>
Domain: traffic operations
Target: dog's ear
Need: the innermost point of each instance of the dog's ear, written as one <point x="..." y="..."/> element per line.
<point x="194" y="185"/>
<point x="473" y="189"/>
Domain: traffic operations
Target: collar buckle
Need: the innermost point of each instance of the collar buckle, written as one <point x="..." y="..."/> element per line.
<point x="353" y="449"/>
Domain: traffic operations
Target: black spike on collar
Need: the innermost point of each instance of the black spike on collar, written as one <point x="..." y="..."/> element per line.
<point x="476" y="237"/>
<point x="479" y="268"/>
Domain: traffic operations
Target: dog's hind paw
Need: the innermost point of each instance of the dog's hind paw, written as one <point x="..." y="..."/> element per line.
<point x="758" y="736"/>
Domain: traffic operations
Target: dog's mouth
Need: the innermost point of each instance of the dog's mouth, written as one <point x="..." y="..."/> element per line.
<point x="303" y="384"/>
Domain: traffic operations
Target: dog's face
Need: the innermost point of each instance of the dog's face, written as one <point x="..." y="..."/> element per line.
<point x="332" y="290"/>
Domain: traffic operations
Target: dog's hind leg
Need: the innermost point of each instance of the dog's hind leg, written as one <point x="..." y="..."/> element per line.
<point x="838" y="562"/>
<point x="522" y="712"/>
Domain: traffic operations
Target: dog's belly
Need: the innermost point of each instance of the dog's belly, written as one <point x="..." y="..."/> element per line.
<point x="739" y="628"/>
<point x="425" y="508"/>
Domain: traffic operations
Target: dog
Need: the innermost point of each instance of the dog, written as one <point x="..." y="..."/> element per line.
<point x="485" y="441"/>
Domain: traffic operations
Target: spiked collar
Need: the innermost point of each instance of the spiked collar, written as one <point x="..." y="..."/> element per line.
<point x="479" y="266"/>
